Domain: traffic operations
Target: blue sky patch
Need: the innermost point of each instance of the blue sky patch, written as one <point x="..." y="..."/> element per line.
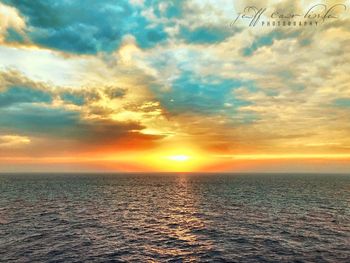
<point x="205" y="95"/>
<point x="342" y="102"/>
<point x="204" y="35"/>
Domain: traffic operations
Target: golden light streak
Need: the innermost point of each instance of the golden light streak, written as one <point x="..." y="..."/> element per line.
<point x="129" y="157"/>
<point x="176" y="160"/>
<point x="284" y="156"/>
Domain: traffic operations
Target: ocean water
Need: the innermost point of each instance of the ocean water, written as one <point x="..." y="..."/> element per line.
<point x="174" y="218"/>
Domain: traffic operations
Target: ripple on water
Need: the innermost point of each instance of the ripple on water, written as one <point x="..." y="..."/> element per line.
<point x="168" y="218"/>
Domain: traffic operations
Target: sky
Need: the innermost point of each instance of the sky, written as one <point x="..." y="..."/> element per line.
<point x="180" y="86"/>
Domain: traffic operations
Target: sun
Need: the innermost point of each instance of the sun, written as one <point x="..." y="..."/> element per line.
<point x="174" y="158"/>
<point x="179" y="158"/>
<point x="170" y="157"/>
<point x="177" y="161"/>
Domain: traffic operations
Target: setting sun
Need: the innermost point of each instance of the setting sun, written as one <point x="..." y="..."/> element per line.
<point x="179" y="158"/>
<point x="174" y="158"/>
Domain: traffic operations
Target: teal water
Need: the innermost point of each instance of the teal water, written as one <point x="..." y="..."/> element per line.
<point x="174" y="218"/>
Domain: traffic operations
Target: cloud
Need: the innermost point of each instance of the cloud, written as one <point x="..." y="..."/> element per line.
<point x="9" y="141"/>
<point x="268" y="40"/>
<point x="12" y="25"/>
<point x="16" y="88"/>
<point x="37" y="64"/>
<point x="22" y="94"/>
<point x="85" y="118"/>
<point x="290" y="101"/>
<point x="156" y="71"/>
<point x="62" y="124"/>
<point x="86" y="27"/>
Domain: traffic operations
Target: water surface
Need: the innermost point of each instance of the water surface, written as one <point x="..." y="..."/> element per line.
<point x="174" y="218"/>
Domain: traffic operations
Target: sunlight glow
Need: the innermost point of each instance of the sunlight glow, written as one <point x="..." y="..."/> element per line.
<point x="179" y="158"/>
<point x="175" y="158"/>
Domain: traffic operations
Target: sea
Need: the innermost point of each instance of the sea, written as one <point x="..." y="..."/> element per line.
<point x="175" y="217"/>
